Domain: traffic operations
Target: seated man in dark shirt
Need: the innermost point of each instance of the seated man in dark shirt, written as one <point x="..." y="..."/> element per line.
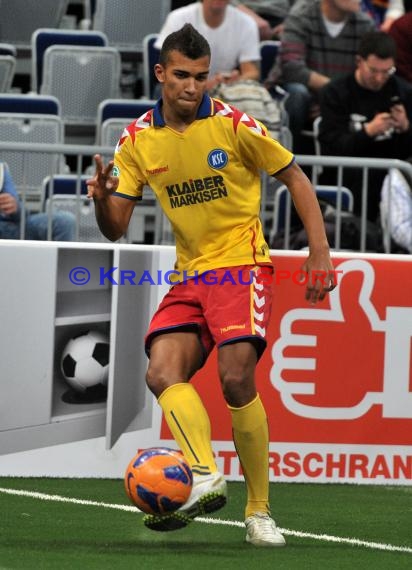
<point x="368" y="113"/>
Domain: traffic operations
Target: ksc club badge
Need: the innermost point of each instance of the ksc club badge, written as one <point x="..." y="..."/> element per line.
<point x="217" y="159"/>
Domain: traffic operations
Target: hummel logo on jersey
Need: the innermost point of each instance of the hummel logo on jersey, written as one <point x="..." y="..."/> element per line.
<point x="157" y="170"/>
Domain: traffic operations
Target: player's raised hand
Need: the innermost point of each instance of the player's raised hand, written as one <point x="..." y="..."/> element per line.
<point x="103" y="184"/>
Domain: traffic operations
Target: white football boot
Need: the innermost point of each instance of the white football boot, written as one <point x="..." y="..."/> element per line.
<point x="209" y="493"/>
<point x="261" y="530"/>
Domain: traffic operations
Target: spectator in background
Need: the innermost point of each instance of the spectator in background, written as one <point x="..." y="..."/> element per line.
<point x="401" y="32"/>
<point x="395" y="9"/>
<point x="368" y="113"/>
<point x="35" y="225"/>
<point x="233" y="37"/>
<point x="383" y="12"/>
<point x="319" y="42"/>
<point x="268" y="14"/>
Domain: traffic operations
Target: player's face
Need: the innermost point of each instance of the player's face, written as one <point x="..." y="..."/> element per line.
<point x="372" y="73"/>
<point x="184" y="82"/>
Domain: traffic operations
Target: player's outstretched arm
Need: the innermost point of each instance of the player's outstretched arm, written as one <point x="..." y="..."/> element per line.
<point x="112" y="212"/>
<point x="318" y="265"/>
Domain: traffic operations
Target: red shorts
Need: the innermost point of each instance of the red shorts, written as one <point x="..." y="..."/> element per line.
<point x="223" y="306"/>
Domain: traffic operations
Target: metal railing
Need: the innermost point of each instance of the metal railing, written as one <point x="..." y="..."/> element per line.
<point x="81" y="152"/>
<point x="340" y="164"/>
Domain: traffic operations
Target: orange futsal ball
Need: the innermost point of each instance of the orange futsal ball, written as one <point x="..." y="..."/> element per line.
<point x="158" y="480"/>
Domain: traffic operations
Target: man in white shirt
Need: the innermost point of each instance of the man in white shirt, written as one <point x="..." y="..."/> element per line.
<point x="233" y="37"/>
<point x="268" y="14"/>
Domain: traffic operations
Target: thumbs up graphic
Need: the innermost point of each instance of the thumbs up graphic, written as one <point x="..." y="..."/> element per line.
<point x="395" y="398"/>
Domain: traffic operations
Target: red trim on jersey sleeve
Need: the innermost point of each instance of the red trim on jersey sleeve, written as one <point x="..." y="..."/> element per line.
<point x="218" y="106"/>
<point x="237" y="116"/>
<point x="228" y="111"/>
<point x="122" y="139"/>
<point x="251" y="124"/>
<point x="138" y="125"/>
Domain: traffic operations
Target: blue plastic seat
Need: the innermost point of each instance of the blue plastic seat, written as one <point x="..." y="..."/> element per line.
<point x="268" y="52"/>
<point x="46" y="37"/>
<point x="150" y="58"/>
<point x="29" y="104"/>
<point x="283" y="203"/>
<point x="126" y="22"/>
<point x="115" y="114"/>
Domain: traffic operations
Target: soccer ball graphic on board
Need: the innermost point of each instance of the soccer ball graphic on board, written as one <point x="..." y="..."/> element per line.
<point x="85" y="363"/>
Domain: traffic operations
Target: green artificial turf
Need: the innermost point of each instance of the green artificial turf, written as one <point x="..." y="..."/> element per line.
<point x="40" y="534"/>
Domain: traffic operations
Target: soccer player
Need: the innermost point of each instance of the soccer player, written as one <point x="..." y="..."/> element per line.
<point x="202" y="158"/>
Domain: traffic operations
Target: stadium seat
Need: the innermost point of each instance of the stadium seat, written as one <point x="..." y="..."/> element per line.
<point x="7" y="69"/>
<point x="32" y="104"/>
<point x="150" y="58"/>
<point x="115" y="114"/>
<point x="45" y="37"/>
<point x="283" y="203"/>
<point x="268" y="52"/>
<point x="82" y="208"/>
<point x="8" y="49"/>
<point x="29" y="168"/>
<point x="81" y="78"/>
<point x="64" y="184"/>
<point x="20" y="18"/>
<point x="126" y="22"/>
<point x="123" y="108"/>
<point x="68" y="192"/>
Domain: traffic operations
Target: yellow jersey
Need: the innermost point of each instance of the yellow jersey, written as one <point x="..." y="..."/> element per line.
<point x="207" y="180"/>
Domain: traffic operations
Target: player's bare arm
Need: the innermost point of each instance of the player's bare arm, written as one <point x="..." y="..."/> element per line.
<point x="112" y="212"/>
<point x="318" y="265"/>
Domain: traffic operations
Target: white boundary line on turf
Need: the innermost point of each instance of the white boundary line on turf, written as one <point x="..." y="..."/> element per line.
<point x="129" y="508"/>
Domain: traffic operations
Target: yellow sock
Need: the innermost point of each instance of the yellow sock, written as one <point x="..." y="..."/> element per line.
<point x="251" y="437"/>
<point x="189" y="423"/>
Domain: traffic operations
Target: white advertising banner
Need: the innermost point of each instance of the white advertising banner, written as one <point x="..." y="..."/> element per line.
<point x="336" y="381"/>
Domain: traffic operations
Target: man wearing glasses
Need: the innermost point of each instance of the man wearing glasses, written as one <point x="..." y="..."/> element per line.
<point x="368" y="113"/>
<point x="319" y="42"/>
